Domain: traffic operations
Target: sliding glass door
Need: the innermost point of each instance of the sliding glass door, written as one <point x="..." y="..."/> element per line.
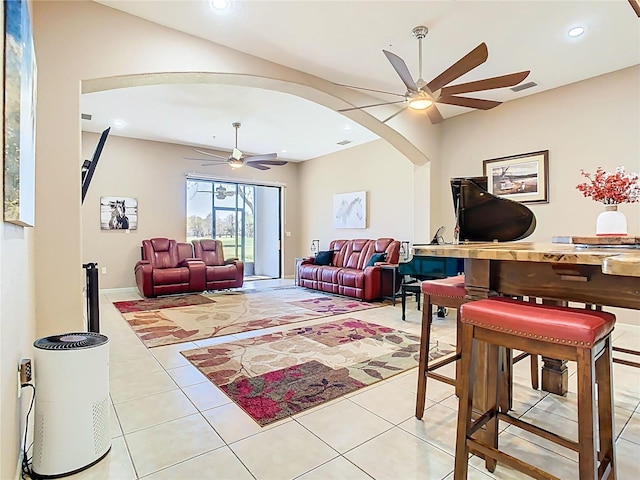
<point x="245" y="218"/>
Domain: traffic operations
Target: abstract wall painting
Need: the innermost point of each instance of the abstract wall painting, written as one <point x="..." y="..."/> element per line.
<point x="350" y="210"/>
<point x="118" y="213"/>
<point x="19" y="115"/>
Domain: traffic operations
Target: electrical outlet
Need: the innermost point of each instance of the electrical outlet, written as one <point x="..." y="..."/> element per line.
<point x="104" y="270"/>
<point x="25" y="371"/>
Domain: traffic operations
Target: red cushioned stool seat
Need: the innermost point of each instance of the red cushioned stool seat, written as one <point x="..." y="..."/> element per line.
<point x="445" y="287"/>
<point x="563" y="333"/>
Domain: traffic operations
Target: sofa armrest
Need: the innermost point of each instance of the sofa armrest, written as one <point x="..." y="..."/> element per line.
<point x="231" y="260"/>
<point x="197" y="274"/>
<point x="186" y="261"/>
<point x="144" y="278"/>
<point x="308" y="260"/>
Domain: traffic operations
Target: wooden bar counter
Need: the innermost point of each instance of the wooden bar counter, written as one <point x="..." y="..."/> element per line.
<point x="555" y="272"/>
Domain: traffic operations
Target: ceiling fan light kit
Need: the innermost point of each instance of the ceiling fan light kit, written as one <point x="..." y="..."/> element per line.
<point x="422" y="95"/>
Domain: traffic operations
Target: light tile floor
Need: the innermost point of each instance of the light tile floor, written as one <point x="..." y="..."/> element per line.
<point x="169" y="422"/>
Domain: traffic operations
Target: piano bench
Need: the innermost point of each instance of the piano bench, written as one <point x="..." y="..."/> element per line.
<point x="413" y="288"/>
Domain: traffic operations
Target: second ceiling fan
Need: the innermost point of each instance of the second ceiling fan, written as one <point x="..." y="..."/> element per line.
<point x="422" y="95"/>
<point x="237" y="158"/>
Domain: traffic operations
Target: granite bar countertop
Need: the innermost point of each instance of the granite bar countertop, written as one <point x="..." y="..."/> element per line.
<point x="614" y="260"/>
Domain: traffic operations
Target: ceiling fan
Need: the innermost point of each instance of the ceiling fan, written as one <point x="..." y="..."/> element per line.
<point x="222" y="193"/>
<point x="422" y="95"/>
<point x="237" y="158"/>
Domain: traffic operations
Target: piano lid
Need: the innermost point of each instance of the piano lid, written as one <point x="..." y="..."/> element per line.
<point x="484" y="217"/>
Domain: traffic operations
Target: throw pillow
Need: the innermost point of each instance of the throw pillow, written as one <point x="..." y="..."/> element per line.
<point x="376" y="257"/>
<point x="324" y="258"/>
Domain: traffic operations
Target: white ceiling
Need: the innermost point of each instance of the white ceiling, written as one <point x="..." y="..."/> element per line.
<point x="342" y="41"/>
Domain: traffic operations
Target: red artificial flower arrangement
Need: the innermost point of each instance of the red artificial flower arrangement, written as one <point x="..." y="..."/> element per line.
<point x="611" y="188"/>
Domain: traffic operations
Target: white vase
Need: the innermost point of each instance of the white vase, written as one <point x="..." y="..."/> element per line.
<point x="611" y="222"/>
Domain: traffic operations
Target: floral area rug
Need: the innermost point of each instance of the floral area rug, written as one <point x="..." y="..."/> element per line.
<point x="187" y="318"/>
<point x="280" y="374"/>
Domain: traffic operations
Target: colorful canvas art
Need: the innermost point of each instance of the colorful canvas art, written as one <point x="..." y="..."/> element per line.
<point x="19" y="115"/>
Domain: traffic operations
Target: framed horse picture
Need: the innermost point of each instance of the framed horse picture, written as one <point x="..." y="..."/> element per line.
<point x="350" y="210"/>
<point x="118" y="213"/>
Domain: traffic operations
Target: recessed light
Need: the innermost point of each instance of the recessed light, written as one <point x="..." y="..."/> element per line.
<point x="118" y="123"/>
<point x="219" y="4"/>
<point x="347" y="127"/>
<point x="575" y="31"/>
<point x="284" y="151"/>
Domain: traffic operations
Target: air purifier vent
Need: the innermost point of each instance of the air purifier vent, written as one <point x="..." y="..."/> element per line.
<point x="100" y="425"/>
<point x="71" y="341"/>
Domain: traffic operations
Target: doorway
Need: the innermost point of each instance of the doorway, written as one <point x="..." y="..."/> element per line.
<point x="244" y="217"/>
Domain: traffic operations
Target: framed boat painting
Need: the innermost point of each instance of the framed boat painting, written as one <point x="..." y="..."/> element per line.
<point x="523" y="178"/>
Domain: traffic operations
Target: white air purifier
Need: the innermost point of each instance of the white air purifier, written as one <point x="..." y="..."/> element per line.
<point x="72" y="429"/>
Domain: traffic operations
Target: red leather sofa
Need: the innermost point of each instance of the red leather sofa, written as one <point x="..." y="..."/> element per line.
<point x="219" y="273"/>
<point x="348" y="272"/>
<point x="169" y="267"/>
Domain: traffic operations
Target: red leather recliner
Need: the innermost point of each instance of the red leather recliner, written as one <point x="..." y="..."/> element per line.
<point x="220" y="274"/>
<point x="168" y="267"/>
<point x="349" y="273"/>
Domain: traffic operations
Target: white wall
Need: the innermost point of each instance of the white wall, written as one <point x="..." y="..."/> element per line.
<point x="17" y="325"/>
<point x="375" y="167"/>
<point x="155" y="174"/>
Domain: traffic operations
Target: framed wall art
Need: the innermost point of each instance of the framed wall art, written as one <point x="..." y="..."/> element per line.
<point x="523" y="178"/>
<point x="350" y="210"/>
<point x="118" y="213"/>
<point x="19" y="115"/>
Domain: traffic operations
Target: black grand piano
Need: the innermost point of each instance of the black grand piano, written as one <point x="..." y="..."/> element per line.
<point x="480" y="217"/>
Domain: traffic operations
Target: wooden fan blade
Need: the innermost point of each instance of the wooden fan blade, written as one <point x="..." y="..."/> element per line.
<point x="210" y="154"/>
<point x="434" y="114"/>
<point x="395" y="114"/>
<point x="368" y="106"/>
<point x="478" y="103"/>
<point x="210" y="160"/>
<point x="257" y="158"/>
<point x="471" y="60"/>
<point x="486" y="84"/>
<point x="401" y="69"/>
<point x="257" y="165"/>
<point x="275" y="163"/>
<point x="369" y="89"/>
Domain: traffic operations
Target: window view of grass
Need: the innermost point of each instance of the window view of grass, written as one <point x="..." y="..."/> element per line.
<point x="232" y="207"/>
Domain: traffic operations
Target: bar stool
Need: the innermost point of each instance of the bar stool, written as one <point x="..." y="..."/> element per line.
<point x="448" y="292"/>
<point x="565" y="333"/>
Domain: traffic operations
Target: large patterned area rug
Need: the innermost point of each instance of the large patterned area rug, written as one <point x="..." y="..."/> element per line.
<point x="280" y="374"/>
<point x="184" y="318"/>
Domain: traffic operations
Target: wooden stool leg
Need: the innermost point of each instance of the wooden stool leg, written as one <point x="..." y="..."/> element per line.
<point x="493" y="398"/>
<point x="465" y="403"/>
<point x="425" y="337"/>
<point x="587" y="452"/>
<point x="505" y="374"/>
<point x="605" y="409"/>
<point x="535" y="379"/>
<point x="458" y="351"/>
